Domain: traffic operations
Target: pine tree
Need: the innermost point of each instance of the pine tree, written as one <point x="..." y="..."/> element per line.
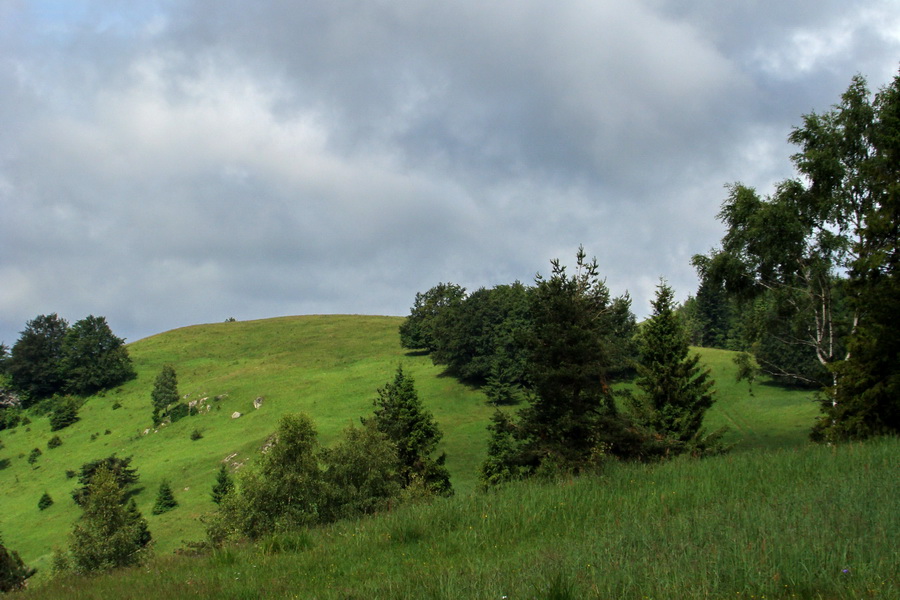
<point x="502" y="462"/>
<point x="675" y="391"/>
<point x="108" y="535"/>
<point x="400" y="414"/>
<point x="165" y="500"/>
<point x="165" y="392"/>
<point x="13" y="571"/>
<point x="223" y="486"/>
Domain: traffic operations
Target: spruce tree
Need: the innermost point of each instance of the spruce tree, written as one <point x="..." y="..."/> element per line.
<point x="13" y="571"/>
<point x="675" y="391"/>
<point x="569" y="356"/>
<point x="223" y="486"/>
<point x="165" y="499"/>
<point x="109" y="534"/>
<point x="165" y="392"/>
<point x="401" y="416"/>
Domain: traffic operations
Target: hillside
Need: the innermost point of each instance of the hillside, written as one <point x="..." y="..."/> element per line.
<point x="326" y="366"/>
<point x="818" y="523"/>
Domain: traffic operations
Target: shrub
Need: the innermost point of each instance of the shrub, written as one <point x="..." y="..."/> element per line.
<point x="64" y="414"/>
<point x="196" y="435"/>
<point x="54" y="442"/>
<point x="35" y="454"/>
<point x="45" y="502"/>
<point x="179" y="411"/>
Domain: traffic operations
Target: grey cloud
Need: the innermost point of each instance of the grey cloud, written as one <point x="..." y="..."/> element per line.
<point x="172" y="163"/>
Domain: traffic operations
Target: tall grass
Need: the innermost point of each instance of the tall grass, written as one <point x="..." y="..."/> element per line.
<point x="821" y="522"/>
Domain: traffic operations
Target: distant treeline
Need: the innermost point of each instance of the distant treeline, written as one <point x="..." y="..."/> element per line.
<point x="51" y="358"/>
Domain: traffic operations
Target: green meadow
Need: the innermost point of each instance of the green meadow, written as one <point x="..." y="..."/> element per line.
<point x="330" y="367"/>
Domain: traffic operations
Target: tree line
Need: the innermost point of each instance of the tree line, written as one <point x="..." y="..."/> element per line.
<point x="51" y="358"/>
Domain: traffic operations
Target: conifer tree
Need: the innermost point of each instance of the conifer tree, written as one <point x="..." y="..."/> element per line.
<point x="400" y="414"/>
<point x="13" y="571"/>
<point x="223" y="486"/>
<point x="675" y="391"/>
<point x="504" y="453"/>
<point x="165" y="392"/>
<point x="165" y="499"/>
<point x="109" y="535"/>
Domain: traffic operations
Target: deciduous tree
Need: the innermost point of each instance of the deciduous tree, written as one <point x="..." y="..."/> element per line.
<point x="34" y="364"/>
<point x="94" y="359"/>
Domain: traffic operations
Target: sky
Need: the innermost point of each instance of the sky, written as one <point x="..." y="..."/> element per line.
<point x="169" y="163"/>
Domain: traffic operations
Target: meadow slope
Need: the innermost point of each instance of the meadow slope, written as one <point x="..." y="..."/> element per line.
<point x="326" y="366"/>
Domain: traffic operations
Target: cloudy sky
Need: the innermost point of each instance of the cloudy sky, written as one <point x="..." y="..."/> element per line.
<point x="166" y="163"/>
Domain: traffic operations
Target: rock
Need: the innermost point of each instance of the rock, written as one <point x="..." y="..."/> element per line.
<point x="236" y="415"/>
<point x="258" y="402"/>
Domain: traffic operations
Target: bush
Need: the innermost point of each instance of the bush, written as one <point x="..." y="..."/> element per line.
<point x="64" y="414"/>
<point x="54" y="442"/>
<point x="196" y="435"/>
<point x="35" y="454"/>
<point x="45" y="502"/>
<point x="179" y="411"/>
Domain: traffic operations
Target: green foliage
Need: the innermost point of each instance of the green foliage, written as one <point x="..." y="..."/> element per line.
<point x="54" y="442"/>
<point x="223" y="486"/>
<point x="51" y="358"/>
<point x="178" y="412"/>
<point x="504" y="452"/>
<point x="675" y="392"/>
<point x="196" y="434"/>
<point x="13" y="572"/>
<point x="45" y="501"/>
<point x="34" y="455"/>
<point x="94" y="359"/>
<point x="362" y="474"/>
<point x="34" y="364"/>
<point x="65" y="413"/>
<point x="165" y="393"/>
<point x="401" y="416"/>
<point x="480" y="335"/>
<point x="569" y="356"/>
<point x="285" y="490"/>
<point x="165" y="499"/>
<point x="865" y="399"/>
<point x="120" y="468"/>
<point x="108" y="535"/>
<point x="417" y="331"/>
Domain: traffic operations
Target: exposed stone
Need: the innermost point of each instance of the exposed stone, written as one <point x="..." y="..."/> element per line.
<point x="236" y="415"/>
<point x="258" y="402"/>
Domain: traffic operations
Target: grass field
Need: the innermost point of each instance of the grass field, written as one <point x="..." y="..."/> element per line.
<point x="815" y="523"/>
<point x="326" y="366"/>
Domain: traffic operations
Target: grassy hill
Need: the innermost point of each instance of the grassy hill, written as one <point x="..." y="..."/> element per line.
<point x="326" y="366"/>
